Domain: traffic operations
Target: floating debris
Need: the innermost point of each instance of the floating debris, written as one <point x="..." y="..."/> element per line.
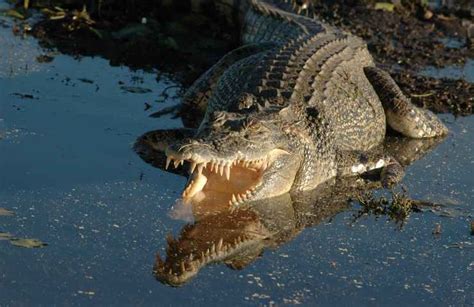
<point x="84" y="80"/>
<point x="6" y="212"/>
<point x="385" y="6"/>
<point x="43" y="58"/>
<point x="24" y="96"/>
<point x="5" y="236"/>
<point x="135" y="89"/>
<point x="437" y="229"/>
<point x="27" y="243"/>
<point x="398" y="208"/>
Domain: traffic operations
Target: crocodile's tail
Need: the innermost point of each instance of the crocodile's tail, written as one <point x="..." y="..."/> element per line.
<point x="402" y="115"/>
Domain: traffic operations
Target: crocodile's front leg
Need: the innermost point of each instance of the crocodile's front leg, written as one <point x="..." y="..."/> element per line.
<point x="354" y="163"/>
<point x="391" y="158"/>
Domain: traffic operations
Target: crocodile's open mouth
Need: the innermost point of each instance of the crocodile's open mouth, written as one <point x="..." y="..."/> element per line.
<point x="237" y="178"/>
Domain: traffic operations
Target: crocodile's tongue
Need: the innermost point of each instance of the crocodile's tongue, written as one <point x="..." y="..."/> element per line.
<point x="214" y="187"/>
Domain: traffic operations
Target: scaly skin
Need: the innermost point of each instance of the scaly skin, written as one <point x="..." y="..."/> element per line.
<point x="298" y="104"/>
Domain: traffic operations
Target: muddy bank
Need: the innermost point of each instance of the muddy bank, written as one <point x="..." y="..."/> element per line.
<point x="403" y="38"/>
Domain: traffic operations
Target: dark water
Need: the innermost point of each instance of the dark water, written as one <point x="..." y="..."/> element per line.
<point x="69" y="174"/>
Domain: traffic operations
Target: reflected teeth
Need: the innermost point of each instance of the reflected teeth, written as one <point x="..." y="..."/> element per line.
<point x="239" y="198"/>
<point x="193" y="263"/>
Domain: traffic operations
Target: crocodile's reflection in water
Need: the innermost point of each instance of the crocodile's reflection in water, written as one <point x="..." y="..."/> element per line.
<point x="237" y="236"/>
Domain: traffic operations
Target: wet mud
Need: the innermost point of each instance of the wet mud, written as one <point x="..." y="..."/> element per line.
<point x="403" y="39"/>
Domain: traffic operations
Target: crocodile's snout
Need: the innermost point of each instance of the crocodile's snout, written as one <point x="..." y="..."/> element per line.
<point x="211" y="171"/>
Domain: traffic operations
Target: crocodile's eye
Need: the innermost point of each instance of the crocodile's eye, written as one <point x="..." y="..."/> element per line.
<point x="250" y="123"/>
<point x="246" y="101"/>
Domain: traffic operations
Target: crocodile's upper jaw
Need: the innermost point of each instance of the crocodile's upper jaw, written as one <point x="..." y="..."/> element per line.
<point x="237" y="177"/>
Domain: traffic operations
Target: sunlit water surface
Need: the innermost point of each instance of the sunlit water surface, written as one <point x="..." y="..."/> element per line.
<point x="69" y="174"/>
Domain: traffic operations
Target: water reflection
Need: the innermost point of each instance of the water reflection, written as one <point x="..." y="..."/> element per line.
<point x="237" y="236"/>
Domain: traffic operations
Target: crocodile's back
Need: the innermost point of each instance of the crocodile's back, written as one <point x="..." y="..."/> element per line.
<point x="310" y="63"/>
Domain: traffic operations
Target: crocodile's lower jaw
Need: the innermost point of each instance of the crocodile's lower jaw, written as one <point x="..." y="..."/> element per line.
<point x="231" y="181"/>
<point x="209" y="183"/>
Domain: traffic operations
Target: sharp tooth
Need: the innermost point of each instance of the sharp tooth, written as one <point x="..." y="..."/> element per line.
<point x="195" y="187"/>
<point x="221" y="169"/>
<point x="212" y="166"/>
<point x="170" y="272"/>
<point x="233" y="198"/>
<point x="208" y="252"/>
<point x="191" y="257"/>
<point x="181" y="162"/>
<point x="170" y="239"/>
<point x="227" y="171"/>
<point x="213" y="248"/>
<point x="168" y="161"/>
<point x="200" y="168"/>
<point x="243" y="196"/>
<point x="159" y="261"/>
<point x="183" y="268"/>
<point x="192" y="167"/>
<point x="239" y="198"/>
<point x="219" y="245"/>
<point x="176" y="163"/>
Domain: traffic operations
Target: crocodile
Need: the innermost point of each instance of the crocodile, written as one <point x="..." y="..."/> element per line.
<point x="299" y="103"/>
<point x="218" y="232"/>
